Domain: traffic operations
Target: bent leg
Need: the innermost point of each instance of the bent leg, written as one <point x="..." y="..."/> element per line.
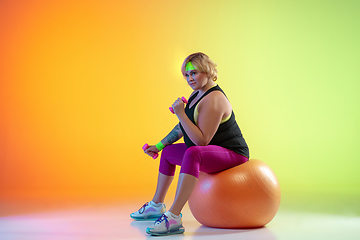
<point x="162" y="187"/>
<point x="185" y="187"/>
<point x="208" y="159"/>
<point x="171" y="156"/>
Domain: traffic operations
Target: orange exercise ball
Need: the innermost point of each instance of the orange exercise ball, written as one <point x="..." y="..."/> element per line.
<point x="245" y="196"/>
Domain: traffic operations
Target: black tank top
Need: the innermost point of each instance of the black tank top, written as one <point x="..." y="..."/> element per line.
<point x="228" y="134"/>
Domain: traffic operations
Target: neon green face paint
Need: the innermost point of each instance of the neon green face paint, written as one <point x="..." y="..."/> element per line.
<point x="189" y="67"/>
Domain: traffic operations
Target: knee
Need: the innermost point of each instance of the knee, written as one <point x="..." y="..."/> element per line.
<point x="191" y="161"/>
<point x="165" y="151"/>
<point x="174" y="148"/>
<point x="193" y="154"/>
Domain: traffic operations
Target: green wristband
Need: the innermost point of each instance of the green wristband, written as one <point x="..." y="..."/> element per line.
<point x="160" y="146"/>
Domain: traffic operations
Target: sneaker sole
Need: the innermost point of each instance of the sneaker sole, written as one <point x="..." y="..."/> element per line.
<point x="149" y="218"/>
<point x="171" y="232"/>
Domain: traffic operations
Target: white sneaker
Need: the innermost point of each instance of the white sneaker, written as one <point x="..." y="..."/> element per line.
<point x="149" y="211"/>
<point x="167" y="224"/>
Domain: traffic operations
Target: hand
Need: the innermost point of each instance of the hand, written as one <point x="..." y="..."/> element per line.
<point x="178" y="106"/>
<point x="151" y="150"/>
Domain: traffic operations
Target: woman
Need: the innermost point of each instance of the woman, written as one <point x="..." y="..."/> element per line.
<point x="213" y="142"/>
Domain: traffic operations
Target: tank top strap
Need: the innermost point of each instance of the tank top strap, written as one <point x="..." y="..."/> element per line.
<point x="214" y="88"/>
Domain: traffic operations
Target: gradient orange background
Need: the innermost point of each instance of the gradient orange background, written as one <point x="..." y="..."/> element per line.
<point x="85" y="84"/>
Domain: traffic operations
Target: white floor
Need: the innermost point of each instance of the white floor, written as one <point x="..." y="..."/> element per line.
<point x="112" y="221"/>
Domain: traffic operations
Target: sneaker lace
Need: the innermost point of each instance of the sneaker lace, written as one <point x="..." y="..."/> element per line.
<point x="142" y="209"/>
<point x="163" y="218"/>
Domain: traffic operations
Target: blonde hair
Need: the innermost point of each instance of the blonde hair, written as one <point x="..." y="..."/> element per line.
<point x="201" y="62"/>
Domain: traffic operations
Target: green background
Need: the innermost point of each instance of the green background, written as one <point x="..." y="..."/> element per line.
<point x="291" y="71"/>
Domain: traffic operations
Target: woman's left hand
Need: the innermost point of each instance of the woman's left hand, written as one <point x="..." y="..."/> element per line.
<point x="178" y="106"/>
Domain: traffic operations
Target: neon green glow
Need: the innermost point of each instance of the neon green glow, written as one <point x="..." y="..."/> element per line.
<point x="160" y="146"/>
<point x="189" y="66"/>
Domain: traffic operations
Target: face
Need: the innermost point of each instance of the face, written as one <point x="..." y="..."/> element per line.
<point x="196" y="79"/>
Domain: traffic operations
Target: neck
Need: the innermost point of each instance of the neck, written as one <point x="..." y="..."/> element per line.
<point x="209" y="85"/>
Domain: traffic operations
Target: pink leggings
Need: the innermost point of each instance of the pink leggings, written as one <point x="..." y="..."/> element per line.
<point x="208" y="159"/>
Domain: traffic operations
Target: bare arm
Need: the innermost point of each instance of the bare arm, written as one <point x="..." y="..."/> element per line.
<point x="211" y="110"/>
<point x="173" y="136"/>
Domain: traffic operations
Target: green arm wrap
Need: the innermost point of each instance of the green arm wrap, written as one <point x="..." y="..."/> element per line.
<point x="160" y="146"/>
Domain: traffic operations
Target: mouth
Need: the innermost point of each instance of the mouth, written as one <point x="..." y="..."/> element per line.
<point x="192" y="83"/>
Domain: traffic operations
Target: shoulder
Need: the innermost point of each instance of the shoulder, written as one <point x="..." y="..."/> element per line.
<point x="215" y="96"/>
<point x="215" y="99"/>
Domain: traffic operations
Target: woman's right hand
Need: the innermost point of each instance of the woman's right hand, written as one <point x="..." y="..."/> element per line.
<point x="151" y="150"/>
